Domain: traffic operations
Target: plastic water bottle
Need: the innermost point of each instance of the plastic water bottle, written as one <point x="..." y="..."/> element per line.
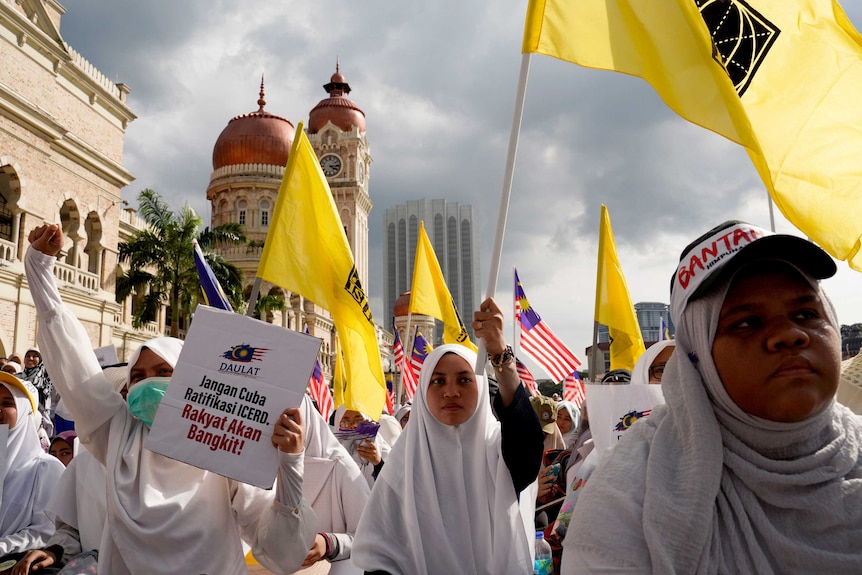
<point x="544" y="563"/>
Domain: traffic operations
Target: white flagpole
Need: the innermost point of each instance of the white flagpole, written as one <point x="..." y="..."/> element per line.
<point x="503" y="212"/>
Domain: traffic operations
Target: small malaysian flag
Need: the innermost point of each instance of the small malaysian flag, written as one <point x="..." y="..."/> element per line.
<point x="319" y="391"/>
<point x="539" y="342"/>
<point x="421" y="349"/>
<point x="573" y="389"/>
<point x="527" y="378"/>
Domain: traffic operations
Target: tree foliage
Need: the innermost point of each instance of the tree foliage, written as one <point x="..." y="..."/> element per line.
<point x="161" y="264"/>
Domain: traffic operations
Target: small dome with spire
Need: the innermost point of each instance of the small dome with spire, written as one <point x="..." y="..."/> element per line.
<point x="255" y="138"/>
<point x="337" y="108"/>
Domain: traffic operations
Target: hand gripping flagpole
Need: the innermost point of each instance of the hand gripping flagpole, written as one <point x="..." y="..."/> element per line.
<point x="503" y="212"/>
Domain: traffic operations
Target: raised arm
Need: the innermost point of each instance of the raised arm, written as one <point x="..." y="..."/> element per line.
<point x="520" y="430"/>
<point x="65" y="345"/>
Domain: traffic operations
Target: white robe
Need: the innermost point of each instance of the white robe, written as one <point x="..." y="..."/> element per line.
<point x="444" y="502"/>
<point x="333" y="484"/>
<point x="164" y="516"/>
<point x="27" y="480"/>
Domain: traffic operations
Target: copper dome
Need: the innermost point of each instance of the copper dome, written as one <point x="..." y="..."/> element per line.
<point x="255" y="138"/>
<point x="402" y="305"/>
<point x="337" y="108"/>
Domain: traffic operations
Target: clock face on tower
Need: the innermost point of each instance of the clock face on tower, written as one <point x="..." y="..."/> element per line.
<point x="330" y="164"/>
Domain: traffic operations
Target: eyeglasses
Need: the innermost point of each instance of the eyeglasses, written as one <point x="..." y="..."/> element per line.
<point x="657" y="370"/>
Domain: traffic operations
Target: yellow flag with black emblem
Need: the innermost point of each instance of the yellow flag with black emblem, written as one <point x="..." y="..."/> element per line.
<point x="306" y="252"/>
<point x="430" y="296"/>
<point x="782" y="78"/>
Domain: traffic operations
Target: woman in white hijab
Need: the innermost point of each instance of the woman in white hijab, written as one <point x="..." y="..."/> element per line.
<point x="164" y="516"/>
<point x="336" y="490"/>
<point x="446" y="500"/>
<point x="29" y="474"/>
<point x="751" y="467"/>
<point x="650" y="366"/>
<point x="369" y="455"/>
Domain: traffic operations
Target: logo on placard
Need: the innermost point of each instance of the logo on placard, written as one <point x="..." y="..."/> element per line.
<point x="245" y="353"/>
<point x="629" y="419"/>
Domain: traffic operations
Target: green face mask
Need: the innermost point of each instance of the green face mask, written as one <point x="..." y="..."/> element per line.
<point x="144" y="398"/>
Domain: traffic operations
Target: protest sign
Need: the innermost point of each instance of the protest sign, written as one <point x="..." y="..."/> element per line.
<point x="107" y="355"/>
<point x="615" y="408"/>
<point x="231" y="383"/>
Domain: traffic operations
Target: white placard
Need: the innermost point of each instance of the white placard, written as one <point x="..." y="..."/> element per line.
<point x="232" y="381"/>
<point x="614" y="408"/>
<point x="107" y="355"/>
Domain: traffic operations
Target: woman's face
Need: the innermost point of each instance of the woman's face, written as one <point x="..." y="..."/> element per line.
<point x="656" y="368"/>
<point x="8" y="409"/>
<point x="775" y="350"/>
<point x="61" y="449"/>
<point x="149" y="364"/>
<point x="453" y="392"/>
<point x="31" y="359"/>
<point x="351" y="419"/>
<point x="404" y="419"/>
<point x="564" y="420"/>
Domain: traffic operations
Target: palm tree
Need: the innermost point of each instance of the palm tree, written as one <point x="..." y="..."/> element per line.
<point x="161" y="261"/>
<point x="268" y="303"/>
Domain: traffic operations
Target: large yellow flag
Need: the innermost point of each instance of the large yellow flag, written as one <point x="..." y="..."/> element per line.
<point x="430" y="296"/>
<point x="781" y="77"/>
<point x="614" y="304"/>
<point x="306" y="252"/>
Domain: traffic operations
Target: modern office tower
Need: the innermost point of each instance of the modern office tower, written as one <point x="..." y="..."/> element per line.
<point x="451" y="227"/>
<point x="649" y="316"/>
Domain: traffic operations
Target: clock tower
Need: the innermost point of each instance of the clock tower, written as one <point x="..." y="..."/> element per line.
<point x="336" y="130"/>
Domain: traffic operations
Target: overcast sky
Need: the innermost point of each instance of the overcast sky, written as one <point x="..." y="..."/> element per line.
<point x="437" y="80"/>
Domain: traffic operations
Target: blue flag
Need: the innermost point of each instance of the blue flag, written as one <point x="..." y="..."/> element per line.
<point x="212" y="293"/>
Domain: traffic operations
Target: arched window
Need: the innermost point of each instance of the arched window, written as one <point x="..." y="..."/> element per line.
<point x="241" y="207"/>
<point x="264" y="213"/>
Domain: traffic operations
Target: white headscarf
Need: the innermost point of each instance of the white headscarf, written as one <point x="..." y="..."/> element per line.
<point x="640" y="373"/>
<point x="724" y="491"/>
<point x="575" y="414"/>
<point x="25" y="459"/>
<point x="444" y="502"/>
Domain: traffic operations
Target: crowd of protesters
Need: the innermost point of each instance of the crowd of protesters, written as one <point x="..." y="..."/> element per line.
<point x="750" y="465"/>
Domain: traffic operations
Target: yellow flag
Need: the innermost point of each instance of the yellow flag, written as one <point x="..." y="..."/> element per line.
<point x="783" y="78"/>
<point x="430" y="296"/>
<point x="306" y="252"/>
<point x="614" y="304"/>
<point x="339" y="381"/>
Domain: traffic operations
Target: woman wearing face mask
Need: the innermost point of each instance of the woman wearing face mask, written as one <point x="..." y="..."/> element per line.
<point x="164" y="516"/>
<point x="29" y="475"/>
<point x="446" y="501"/>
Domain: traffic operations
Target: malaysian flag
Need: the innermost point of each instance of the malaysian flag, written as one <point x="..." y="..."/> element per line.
<point x="421" y="349"/>
<point x="319" y="391"/>
<point x="407" y="381"/>
<point x="573" y="389"/>
<point x="539" y="342"/>
<point x="527" y="378"/>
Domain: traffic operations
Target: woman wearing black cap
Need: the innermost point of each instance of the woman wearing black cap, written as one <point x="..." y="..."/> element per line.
<point x="751" y="467"/>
